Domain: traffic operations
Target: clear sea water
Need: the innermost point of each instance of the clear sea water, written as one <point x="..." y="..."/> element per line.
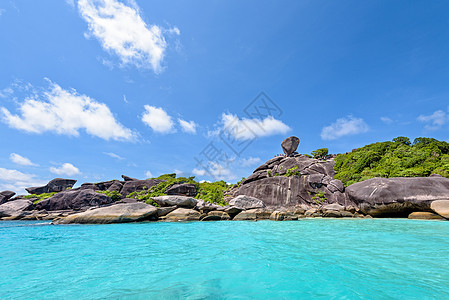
<point x="312" y="258"/>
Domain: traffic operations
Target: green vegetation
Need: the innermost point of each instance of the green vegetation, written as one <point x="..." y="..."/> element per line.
<point x="398" y="158"/>
<point x="320" y="153"/>
<point x="319" y="197"/>
<point x="39" y="197"/>
<point x="114" y="195"/>
<point x="291" y="172"/>
<point x="207" y="191"/>
<point x="212" y="192"/>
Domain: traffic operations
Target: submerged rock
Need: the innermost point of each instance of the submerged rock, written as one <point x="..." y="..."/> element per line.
<point x="117" y="213"/>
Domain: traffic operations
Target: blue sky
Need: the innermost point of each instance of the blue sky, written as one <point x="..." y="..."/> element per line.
<point x="91" y="90"/>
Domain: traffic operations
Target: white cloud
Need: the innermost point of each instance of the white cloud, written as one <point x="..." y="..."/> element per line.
<point x="16" y="181"/>
<point x="157" y="119"/>
<point x="198" y="172"/>
<point x="120" y="29"/>
<point x="216" y="171"/>
<point x="386" y="120"/>
<point x="7" y="92"/>
<point x="188" y="127"/>
<point x="113" y="155"/>
<point x="248" y="129"/>
<point x="178" y="172"/>
<point x="65" y="169"/>
<point x="250" y="161"/>
<point x="343" y="127"/>
<point x="66" y="112"/>
<point x="436" y="120"/>
<point x="20" y="160"/>
<point x="148" y="174"/>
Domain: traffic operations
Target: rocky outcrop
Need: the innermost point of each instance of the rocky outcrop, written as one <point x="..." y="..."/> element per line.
<point x="216" y="216"/>
<point x="55" y="185"/>
<point x="15" y="207"/>
<point x="397" y="197"/>
<point x="127" y="178"/>
<point x="117" y="213"/>
<point x="183" y="189"/>
<point x="289" y="145"/>
<point x="183" y="214"/>
<point x="254" y="214"/>
<point x="138" y="185"/>
<point x="74" y="200"/>
<point x="246" y="202"/>
<point x="178" y="201"/>
<point x="441" y="207"/>
<point x="5" y="196"/>
<point x="293" y="181"/>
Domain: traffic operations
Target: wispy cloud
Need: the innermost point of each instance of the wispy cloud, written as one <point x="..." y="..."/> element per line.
<point x="20" y="160"/>
<point x="343" y="127"/>
<point x="113" y="155"/>
<point x="216" y="171"/>
<point x="65" y="169"/>
<point x="158" y="119"/>
<point x="250" y="161"/>
<point x="148" y="174"/>
<point x="434" y="121"/>
<point x="249" y="129"/>
<point x="120" y="29"/>
<point x="188" y="126"/>
<point x="66" y="112"/>
<point x="17" y="181"/>
<point x="386" y="120"/>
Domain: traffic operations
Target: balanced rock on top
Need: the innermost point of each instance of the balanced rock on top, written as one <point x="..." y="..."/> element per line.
<point x="289" y="145"/>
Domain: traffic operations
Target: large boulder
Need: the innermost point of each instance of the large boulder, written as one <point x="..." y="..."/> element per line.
<point x="117" y="213"/>
<point x="246" y="202"/>
<point x="254" y="214"/>
<point x="5" y="196"/>
<point x="216" y="216"/>
<point x="424" y="215"/>
<point x="441" y="207"/>
<point x="15" y="207"/>
<point x="183" y="189"/>
<point x="397" y="197"/>
<point x="183" y="214"/>
<point x="138" y="185"/>
<point x="179" y="201"/>
<point x="74" y="199"/>
<point x="289" y="145"/>
<point x="55" y="185"/>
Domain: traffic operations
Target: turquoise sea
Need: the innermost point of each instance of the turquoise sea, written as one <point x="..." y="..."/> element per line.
<point x="310" y="258"/>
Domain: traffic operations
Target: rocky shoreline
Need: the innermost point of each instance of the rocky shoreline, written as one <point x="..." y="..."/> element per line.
<point x="289" y="187"/>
